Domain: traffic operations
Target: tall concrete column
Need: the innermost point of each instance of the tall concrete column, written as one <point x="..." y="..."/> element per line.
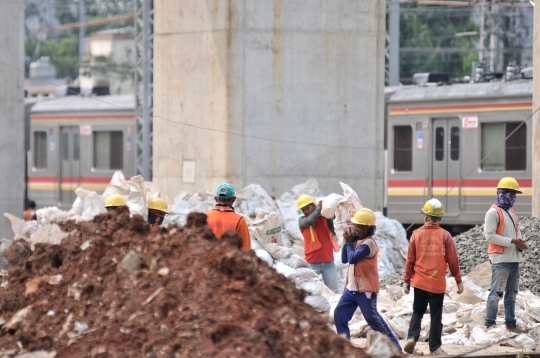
<point x="272" y="92"/>
<point x="536" y="116"/>
<point x="11" y="112"/>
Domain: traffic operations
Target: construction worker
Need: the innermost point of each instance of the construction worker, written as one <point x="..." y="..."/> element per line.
<point x="222" y="216"/>
<point x="431" y="252"/>
<point x="30" y="212"/>
<point x="114" y="201"/>
<point x="319" y="243"/>
<point x="157" y="209"/>
<point x="505" y="244"/>
<point x="362" y="283"/>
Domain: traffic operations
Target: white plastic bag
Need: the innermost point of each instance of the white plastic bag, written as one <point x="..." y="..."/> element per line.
<point x="318" y="302"/>
<point x="253" y="199"/>
<point x="295" y="261"/>
<point x="312" y="287"/>
<point x="178" y="213"/>
<point x="265" y="256"/>
<point x="117" y="185"/>
<point x="201" y="202"/>
<point x="93" y="205"/>
<point x="136" y="200"/>
<point x="289" y="213"/>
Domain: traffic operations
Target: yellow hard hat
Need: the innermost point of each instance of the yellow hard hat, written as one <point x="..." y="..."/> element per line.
<point x="509" y="183"/>
<point x="115" y="200"/>
<point x="364" y="216"/>
<point x="433" y="207"/>
<point x="158" y="204"/>
<point x="304" y="200"/>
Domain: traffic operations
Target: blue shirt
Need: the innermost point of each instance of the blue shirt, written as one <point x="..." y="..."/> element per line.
<point x="352" y="256"/>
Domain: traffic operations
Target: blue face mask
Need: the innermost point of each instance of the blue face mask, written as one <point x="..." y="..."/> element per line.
<point x="505" y="199"/>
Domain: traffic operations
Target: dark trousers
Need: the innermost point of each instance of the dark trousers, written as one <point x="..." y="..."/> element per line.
<point x="421" y="300"/>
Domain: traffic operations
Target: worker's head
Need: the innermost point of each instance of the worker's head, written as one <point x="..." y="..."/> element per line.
<point x="225" y="194"/>
<point x="31" y="204"/>
<point x="157" y="209"/>
<point x="433" y="211"/>
<point x="364" y="221"/>
<point x="306" y="203"/>
<point x="114" y="201"/>
<point x="507" y="189"/>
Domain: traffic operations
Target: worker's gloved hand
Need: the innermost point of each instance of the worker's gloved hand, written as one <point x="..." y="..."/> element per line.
<point x="460" y="288"/>
<point x="406" y="288"/>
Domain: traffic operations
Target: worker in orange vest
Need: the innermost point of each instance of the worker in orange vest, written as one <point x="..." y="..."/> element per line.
<point x="222" y="216"/>
<point x="30" y="212"/>
<point x="431" y="252"/>
<point x="157" y="209"/>
<point x="362" y="284"/>
<point x="319" y="243"/>
<point x="505" y="244"/>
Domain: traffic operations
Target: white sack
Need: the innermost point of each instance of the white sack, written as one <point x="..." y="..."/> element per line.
<point x="5" y="244"/>
<point x="286" y="241"/>
<point x="310" y="187"/>
<point x="312" y="287"/>
<point x="303" y="273"/>
<point x="117" y="185"/>
<point x="178" y="213"/>
<point x="265" y="256"/>
<point x="136" y="200"/>
<point x="318" y="302"/>
<point x="295" y="261"/>
<point x="266" y="229"/>
<point x="283" y="269"/>
<point x="253" y="199"/>
<point x="277" y="252"/>
<point x="93" y="205"/>
<point x="255" y="245"/>
<point x="345" y="210"/>
<point x="329" y="205"/>
<point x="288" y="210"/>
<point x="49" y="234"/>
<point x="201" y="202"/>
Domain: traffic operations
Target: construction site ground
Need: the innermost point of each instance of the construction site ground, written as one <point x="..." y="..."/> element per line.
<point x="422" y="349"/>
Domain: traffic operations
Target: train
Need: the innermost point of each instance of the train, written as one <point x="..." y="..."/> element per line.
<point x="77" y="141"/>
<point x="448" y="142"/>
<point x="437" y="138"/>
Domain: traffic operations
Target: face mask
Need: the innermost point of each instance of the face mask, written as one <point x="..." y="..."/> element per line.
<point x="505" y="199"/>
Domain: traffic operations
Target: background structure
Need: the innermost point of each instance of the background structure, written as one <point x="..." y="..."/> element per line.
<point x="271" y="92"/>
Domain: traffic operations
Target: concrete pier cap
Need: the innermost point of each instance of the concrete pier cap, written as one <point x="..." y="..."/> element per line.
<point x="272" y="92"/>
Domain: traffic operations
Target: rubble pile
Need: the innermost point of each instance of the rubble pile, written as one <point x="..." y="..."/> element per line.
<point x="112" y="288"/>
<point x="472" y="250"/>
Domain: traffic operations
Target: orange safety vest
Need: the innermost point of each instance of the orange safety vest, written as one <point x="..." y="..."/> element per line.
<point x="366" y="272"/>
<point x="221" y="219"/>
<point x="311" y="239"/>
<point x="430" y="266"/>
<point x="497" y="249"/>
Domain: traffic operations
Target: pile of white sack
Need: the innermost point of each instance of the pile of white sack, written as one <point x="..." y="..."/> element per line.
<point x="273" y="224"/>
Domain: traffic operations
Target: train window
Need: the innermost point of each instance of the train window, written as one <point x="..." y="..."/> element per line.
<point x="40" y="150"/>
<point x="439" y="143"/>
<point x="454" y="143"/>
<point x="511" y="154"/>
<point x="76" y="146"/>
<point x="108" y="150"/>
<point x="403" y="148"/>
<point x="65" y="146"/>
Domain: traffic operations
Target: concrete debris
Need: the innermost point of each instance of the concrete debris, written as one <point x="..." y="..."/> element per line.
<point x="49" y="234"/>
<point x="131" y="262"/>
<point x="380" y="346"/>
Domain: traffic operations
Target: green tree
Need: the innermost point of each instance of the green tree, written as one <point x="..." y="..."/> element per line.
<point x="428" y="41"/>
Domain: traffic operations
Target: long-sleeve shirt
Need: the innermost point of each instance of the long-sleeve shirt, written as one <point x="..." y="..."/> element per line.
<point x="351" y="255"/>
<point x="511" y="252"/>
<point x="450" y="254"/>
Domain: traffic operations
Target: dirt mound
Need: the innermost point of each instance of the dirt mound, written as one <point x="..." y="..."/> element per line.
<point x="179" y="292"/>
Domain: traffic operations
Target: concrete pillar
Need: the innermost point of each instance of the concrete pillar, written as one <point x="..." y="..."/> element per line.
<point x="12" y="156"/>
<point x="536" y="116"/>
<point x="271" y="92"/>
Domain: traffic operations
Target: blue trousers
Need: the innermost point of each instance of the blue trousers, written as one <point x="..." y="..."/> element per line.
<point x="348" y="303"/>
<point x="504" y="283"/>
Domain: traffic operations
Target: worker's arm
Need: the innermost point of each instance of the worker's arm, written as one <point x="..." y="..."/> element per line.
<point x="243" y="232"/>
<point x="490" y="228"/>
<point x="411" y="260"/>
<point x="353" y="256"/>
<point x="451" y="256"/>
<point x="307" y="221"/>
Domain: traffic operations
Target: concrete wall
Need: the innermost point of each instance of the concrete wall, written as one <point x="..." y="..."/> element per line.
<point x="536" y="116"/>
<point x="298" y="82"/>
<point x="11" y="112"/>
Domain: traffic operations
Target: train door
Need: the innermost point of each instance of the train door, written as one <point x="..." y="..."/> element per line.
<point x="69" y="164"/>
<point x="446" y="165"/>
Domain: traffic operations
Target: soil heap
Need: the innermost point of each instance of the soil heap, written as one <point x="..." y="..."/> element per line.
<point x="112" y="288"/>
<point x="472" y="250"/>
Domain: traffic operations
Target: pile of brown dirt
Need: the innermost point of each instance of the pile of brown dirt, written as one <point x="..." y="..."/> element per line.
<point x="183" y="294"/>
